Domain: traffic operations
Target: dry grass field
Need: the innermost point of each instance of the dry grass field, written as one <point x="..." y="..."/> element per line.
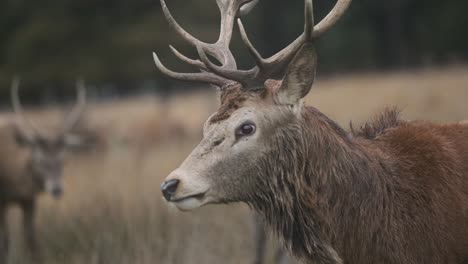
<point x="113" y="212"/>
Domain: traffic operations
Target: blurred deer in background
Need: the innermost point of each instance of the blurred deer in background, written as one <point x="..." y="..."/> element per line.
<point x="31" y="162"/>
<point x="393" y="191"/>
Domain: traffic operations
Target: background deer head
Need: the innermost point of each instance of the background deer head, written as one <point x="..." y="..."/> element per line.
<point x="47" y="150"/>
<point x="259" y="119"/>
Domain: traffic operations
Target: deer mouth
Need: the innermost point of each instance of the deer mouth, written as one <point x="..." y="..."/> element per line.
<point x="190" y="202"/>
<point x="199" y="196"/>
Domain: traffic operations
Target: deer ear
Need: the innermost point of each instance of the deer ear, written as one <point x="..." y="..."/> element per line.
<point x="299" y="77"/>
<point x="22" y="137"/>
<point x="74" y="141"/>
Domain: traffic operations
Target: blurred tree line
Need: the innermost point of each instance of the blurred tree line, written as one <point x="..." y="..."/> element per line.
<point x="109" y="42"/>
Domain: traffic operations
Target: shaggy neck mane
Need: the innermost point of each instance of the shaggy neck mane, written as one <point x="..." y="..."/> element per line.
<point x="320" y="185"/>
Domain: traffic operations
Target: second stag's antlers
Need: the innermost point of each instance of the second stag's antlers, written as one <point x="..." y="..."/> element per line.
<point x="27" y="127"/>
<point x="228" y="72"/>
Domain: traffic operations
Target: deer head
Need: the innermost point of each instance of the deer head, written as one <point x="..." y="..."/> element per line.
<point x="45" y="163"/>
<point x="258" y="115"/>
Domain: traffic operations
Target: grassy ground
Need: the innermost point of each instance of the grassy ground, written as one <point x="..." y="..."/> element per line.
<point x="113" y="212"/>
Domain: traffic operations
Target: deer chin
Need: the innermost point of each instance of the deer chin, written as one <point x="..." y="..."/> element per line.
<point x="55" y="189"/>
<point x="191" y="202"/>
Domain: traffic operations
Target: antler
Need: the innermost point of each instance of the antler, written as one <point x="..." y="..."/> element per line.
<point x="265" y="68"/>
<point x="230" y="10"/>
<point x="25" y="126"/>
<point x="74" y="116"/>
<point x="28" y="129"/>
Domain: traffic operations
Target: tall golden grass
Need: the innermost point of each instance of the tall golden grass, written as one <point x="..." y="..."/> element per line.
<point x="113" y="212"/>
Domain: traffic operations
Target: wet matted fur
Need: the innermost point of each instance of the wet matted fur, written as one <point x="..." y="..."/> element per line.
<point x="391" y="192"/>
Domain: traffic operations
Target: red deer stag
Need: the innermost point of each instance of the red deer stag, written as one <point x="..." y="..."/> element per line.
<point x="392" y="192"/>
<point x="31" y="162"/>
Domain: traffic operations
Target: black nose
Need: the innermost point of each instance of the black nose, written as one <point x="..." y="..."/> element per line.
<point x="57" y="192"/>
<point x="169" y="188"/>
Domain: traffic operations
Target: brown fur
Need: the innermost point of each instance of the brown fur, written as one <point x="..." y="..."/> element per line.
<point x="388" y="119"/>
<point x="393" y="192"/>
<point x="15" y="183"/>
<point x="231" y="100"/>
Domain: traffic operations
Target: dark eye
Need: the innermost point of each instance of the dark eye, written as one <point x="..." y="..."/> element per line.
<point x="246" y="129"/>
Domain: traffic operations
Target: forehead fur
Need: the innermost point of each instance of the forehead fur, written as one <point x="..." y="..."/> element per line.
<point x="235" y="97"/>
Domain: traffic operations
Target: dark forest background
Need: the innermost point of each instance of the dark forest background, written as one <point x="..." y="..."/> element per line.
<point x="50" y="43"/>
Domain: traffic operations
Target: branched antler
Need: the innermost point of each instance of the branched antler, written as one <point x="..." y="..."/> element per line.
<point x="227" y="72"/>
<point x="28" y="129"/>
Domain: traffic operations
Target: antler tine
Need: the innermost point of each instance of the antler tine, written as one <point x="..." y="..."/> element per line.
<point x="187" y="60"/>
<point x="252" y="50"/>
<point x="280" y="60"/>
<point x="75" y="115"/>
<point x="25" y="125"/>
<point x="173" y="23"/>
<point x="309" y="20"/>
<point x="203" y="76"/>
<point x="15" y="97"/>
<point x="246" y="8"/>
<point x="337" y="12"/>
<point x="230" y="10"/>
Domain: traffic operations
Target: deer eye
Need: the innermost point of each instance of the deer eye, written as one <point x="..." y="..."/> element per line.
<point x="246" y="129"/>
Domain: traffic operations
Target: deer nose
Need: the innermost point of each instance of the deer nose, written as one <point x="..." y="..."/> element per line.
<point x="57" y="192"/>
<point x="168" y="189"/>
